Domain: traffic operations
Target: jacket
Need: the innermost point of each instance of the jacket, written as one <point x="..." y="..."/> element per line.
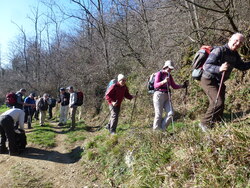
<point x="219" y="56"/>
<point x="116" y="92"/>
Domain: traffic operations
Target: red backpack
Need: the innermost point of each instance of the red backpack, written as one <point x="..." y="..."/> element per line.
<point x="79" y="100"/>
<point x="11" y="99"/>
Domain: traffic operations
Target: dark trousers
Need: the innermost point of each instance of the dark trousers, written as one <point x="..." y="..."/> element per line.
<point x="28" y="112"/>
<point x="215" y="111"/>
<point x="113" y="121"/>
<point x="7" y="131"/>
<point x="50" y="112"/>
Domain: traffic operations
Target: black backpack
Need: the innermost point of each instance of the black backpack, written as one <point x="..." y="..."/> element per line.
<point x="21" y="139"/>
<point x="151" y="81"/>
<point x="53" y="103"/>
<point x="43" y="105"/>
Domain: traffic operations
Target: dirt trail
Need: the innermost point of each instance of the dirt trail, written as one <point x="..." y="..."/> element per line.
<point x="38" y="167"/>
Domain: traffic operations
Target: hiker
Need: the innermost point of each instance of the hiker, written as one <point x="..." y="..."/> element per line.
<point x="220" y="60"/>
<point x="36" y="113"/>
<point x="29" y="108"/>
<point x="73" y="106"/>
<point x="162" y="95"/>
<point x="51" y="106"/>
<point x="20" y="101"/>
<point x="115" y="96"/>
<point x="42" y="106"/>
<point x="64" y="101"/>
<point x="7" y="121"/>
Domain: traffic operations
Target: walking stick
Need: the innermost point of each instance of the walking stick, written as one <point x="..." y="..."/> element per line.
<point x="170" y="104"/>
<point x="218" y="94"/>
<point x="133" y="108"/>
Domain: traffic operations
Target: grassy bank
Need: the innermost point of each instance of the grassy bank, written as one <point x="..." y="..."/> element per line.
<point x="186" y="158"/>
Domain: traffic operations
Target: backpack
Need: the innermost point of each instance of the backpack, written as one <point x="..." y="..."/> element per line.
<point x="79" y="100"/>
<point x="199" y="60"/>
<point x="53" y="103"/>
<point x="21" y="139"/>
<point x="111" y="82"/>
<point x="42" y="105"/>
<point x="151" y="81"/>
<point x="11" y="99"/>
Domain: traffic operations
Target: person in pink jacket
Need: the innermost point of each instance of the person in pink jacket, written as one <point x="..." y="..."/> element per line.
<point x="115" y="95"/>
<point x="161" y="97"/>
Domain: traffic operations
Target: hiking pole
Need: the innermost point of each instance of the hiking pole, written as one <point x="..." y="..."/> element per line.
<point x="217" y="97"/>
<point x="170" y="105"/>
<point x="133" y="108"/>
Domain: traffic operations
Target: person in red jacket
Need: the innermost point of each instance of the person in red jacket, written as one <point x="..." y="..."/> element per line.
<point x="115" y="96"/>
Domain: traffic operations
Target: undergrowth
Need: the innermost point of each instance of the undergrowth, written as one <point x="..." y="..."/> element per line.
<point x="181" y="157"/>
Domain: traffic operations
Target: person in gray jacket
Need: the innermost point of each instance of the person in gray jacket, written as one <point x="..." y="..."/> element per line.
<point x="73" y="106"/>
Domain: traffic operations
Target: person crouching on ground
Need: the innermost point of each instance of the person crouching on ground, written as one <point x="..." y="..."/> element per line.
<point x="43" y="105"/>
<point x="162" y="96"/>
<point x="115" y="96"/>
<point x="7" y="121"/>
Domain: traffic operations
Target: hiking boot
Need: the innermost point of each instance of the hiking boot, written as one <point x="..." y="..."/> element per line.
<point x="203" y="127"/>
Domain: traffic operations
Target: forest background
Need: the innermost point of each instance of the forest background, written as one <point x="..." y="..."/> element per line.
<point x="135" y="38"/>
<point x="132" y="37"/>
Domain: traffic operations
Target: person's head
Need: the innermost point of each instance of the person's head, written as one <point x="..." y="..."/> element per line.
<point x="62" y="90"/>
<point x="22" y="90"/>
<point x="168" y="66"/>
<point x="45" y="96"/>
<point x="236" y="41"/>
<point x="32" y="95"/>
<point x="70" y="89"/>
<point x="121" y="79"/>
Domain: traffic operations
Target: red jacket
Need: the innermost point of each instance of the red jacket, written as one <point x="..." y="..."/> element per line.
<point x="116" y="92"/>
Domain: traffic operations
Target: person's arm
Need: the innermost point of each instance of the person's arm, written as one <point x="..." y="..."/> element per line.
<point x="127" y="94"/>
<point x="241" y="65"/>
<point x="173" y="84"/>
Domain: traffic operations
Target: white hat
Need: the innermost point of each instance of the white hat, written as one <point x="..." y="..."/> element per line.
<point x="120" y="77"/>
<point x="168" y="64"/>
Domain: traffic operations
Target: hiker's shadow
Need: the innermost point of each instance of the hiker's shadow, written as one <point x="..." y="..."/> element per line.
<point x="54" y="156"/>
